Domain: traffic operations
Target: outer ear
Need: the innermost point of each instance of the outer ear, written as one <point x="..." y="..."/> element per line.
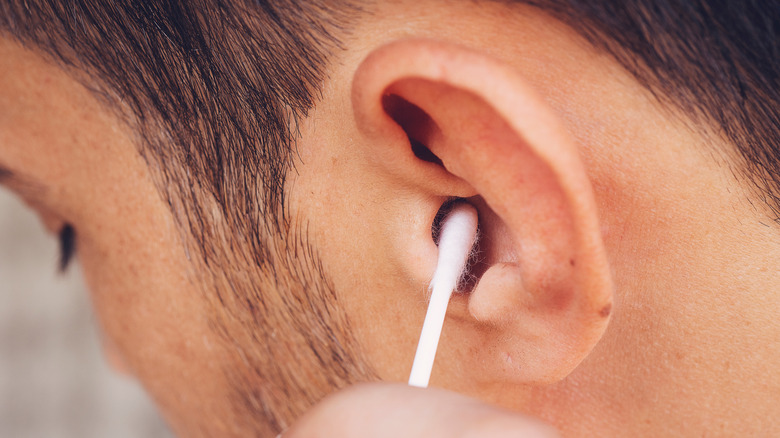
<point x="543" y="294"/>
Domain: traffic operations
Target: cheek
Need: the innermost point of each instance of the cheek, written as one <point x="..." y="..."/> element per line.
<point x="152" y="312"/>
<point x="135" y="267"/>
<point x="137" y="294"/>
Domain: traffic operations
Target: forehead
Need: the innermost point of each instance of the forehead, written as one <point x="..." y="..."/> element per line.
<point x="49" y="121"/>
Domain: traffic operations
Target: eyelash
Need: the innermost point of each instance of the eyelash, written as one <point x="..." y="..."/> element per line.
<point x="67" y="239"/>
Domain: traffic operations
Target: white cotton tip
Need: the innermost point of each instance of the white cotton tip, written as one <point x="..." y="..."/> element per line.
<point x="456" y="238"/>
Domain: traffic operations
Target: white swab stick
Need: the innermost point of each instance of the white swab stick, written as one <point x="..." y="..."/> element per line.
<point x="456" y="238"/>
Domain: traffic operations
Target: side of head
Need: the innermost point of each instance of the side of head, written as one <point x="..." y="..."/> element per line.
<point x="166" y="143"/>
<point x="253" y="188"/>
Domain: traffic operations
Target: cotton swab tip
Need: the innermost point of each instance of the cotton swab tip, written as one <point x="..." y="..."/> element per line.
<point x="456" y="239"/>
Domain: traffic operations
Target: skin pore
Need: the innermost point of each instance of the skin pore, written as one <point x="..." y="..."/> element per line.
<point x="693" y="261"/>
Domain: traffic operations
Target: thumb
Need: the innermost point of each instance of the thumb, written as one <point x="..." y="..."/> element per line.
<point x="382" y="410"/>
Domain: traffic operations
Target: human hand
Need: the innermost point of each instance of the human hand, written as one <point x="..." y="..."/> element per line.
<point x="383" y="410"/>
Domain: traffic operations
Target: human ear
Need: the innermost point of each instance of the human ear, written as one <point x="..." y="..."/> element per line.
<point x="452" y="122"/>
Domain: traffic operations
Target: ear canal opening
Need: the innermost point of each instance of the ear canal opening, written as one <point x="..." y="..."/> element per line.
<point x="440" y="215"/>
<point x="477" y="264"/>
<point x="417" y="124"/>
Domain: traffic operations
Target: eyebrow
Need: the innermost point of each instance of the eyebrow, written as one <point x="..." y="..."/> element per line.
<point x="20" y="183"/>
<point x="5" y="174"/>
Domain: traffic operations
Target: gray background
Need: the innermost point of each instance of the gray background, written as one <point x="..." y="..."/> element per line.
<point x="53" y="379"/>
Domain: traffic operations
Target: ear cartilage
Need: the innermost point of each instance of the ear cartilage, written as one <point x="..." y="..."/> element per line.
<point x="456" y="239"/>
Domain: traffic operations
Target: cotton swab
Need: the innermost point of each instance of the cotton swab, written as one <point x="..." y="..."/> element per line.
<point x="456" y="238"/>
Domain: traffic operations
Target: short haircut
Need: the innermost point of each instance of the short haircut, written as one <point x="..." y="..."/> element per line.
<point x="215" y="89"/>
<point x="718" y="61"/>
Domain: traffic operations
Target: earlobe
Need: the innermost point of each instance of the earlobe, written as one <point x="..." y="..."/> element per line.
<point x="473" y="128"/>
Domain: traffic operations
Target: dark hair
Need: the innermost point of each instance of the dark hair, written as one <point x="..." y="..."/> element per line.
<point x="717" y="60"/>
<point x="215" y="89"/>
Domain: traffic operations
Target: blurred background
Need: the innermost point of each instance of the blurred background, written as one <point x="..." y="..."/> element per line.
<point x="53" y="379"/>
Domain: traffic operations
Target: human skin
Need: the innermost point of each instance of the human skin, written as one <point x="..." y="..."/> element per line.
<point x="640" y="293"/>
